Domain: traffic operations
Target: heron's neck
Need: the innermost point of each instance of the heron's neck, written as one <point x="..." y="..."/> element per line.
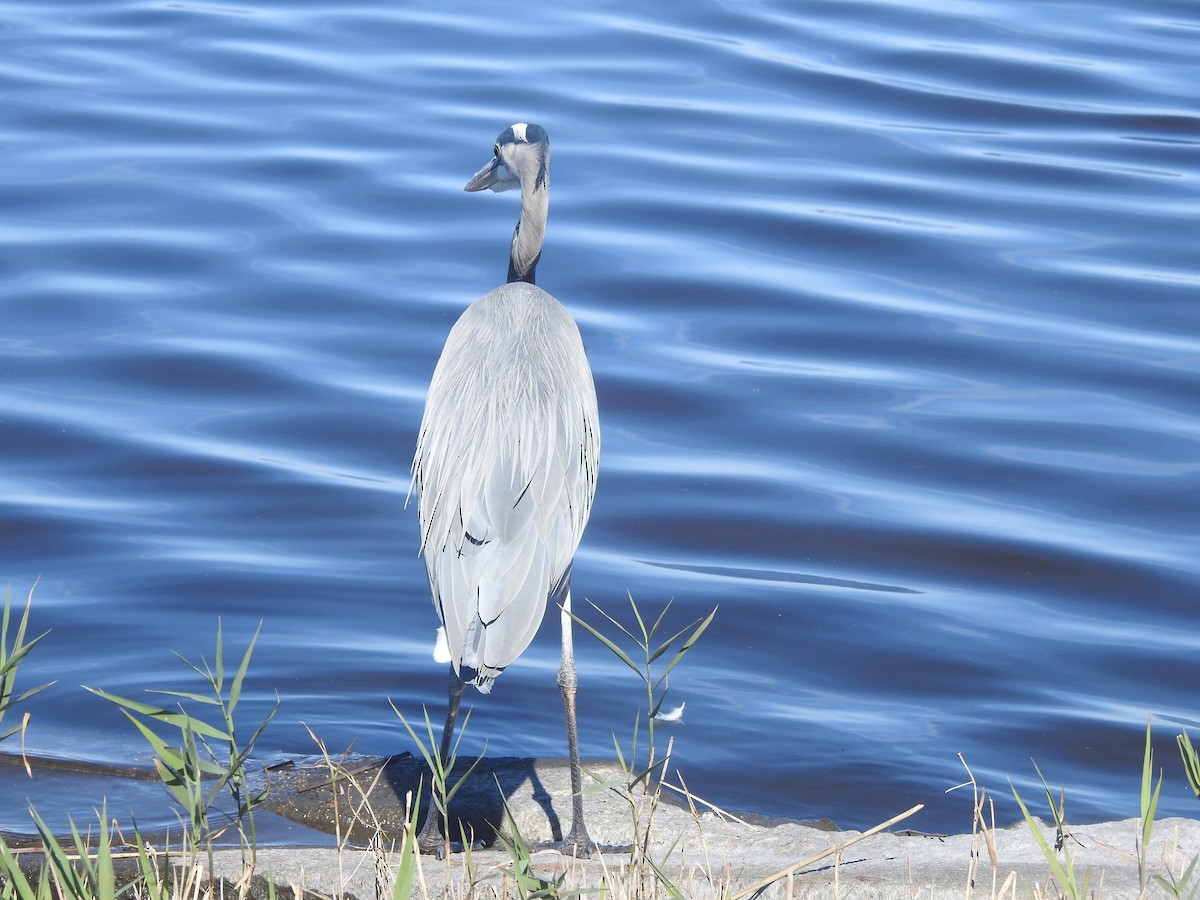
<point x="529" y="233"/>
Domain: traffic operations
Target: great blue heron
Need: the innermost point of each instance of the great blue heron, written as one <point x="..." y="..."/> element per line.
<point x="505" y="469"/>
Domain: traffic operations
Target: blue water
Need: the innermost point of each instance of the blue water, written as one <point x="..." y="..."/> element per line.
<point x="893" y="315"/>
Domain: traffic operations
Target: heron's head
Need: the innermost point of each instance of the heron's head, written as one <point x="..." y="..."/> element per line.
<point x="521" y="155"/>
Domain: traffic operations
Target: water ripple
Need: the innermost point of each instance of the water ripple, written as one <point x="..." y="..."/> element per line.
<point x="890" y="310"/>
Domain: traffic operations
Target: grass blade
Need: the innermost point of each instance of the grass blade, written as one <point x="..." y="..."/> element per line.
<point x="1060" y="875"/>
<point x="235" y="688"/>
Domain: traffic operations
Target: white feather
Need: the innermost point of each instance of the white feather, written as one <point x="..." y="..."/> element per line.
<point x="441" y="650"/>
<point x="671" y="715"/>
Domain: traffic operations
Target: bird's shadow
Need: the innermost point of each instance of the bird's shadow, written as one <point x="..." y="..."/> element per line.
<point x="361" y="797"/>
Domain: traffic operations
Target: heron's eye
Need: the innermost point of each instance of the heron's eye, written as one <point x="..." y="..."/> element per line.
<point x="496" y="150"/>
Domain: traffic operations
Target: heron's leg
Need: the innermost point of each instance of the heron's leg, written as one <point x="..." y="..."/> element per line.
<point x="578" y="840"/>
<point x="431" y="839"/>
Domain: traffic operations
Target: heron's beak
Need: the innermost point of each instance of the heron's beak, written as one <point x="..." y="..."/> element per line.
<point x="495" y="175"/>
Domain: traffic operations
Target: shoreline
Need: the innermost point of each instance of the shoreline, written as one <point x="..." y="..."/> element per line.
<point x="703" y="852"/>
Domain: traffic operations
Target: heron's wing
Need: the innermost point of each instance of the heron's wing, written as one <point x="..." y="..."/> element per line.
<point x="505" y="474"/>
<point x="515" y="534"/>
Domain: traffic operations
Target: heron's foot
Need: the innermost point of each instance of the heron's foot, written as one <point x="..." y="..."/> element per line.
<point x="430" y="840"/>
<point x="578" y="843"/>
<point x="439" y="851"/>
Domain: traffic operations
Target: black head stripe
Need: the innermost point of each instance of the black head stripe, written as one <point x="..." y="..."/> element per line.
<point x="529" y="134"/>
<point x="536" y="134"/>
